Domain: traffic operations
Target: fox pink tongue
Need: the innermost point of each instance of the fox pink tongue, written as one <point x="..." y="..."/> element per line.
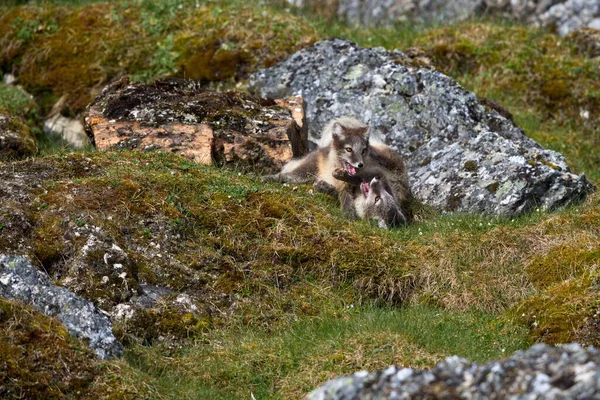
<point x="351" y="170"/>
<point x="365" y="188"/>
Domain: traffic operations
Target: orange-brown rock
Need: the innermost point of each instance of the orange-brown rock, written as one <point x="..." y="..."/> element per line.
<point x="206" y="126"/>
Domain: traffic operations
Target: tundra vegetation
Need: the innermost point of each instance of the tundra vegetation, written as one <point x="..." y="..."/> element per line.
<point x="317" y="296"/>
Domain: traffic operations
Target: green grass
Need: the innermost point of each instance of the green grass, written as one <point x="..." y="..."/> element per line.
<point x="287" y="363"/>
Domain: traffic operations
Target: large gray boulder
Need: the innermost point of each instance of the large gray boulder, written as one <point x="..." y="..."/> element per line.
<point x="562" y="15"/>
<point x="461" y="155"/>
<point x="21" y="281"/>
<point x="542" y="372"/>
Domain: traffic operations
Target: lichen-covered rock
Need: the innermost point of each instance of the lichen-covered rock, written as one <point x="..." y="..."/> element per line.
<point x="562" y="15"/>
<point x="567" y="16"/>
<point x="20" y="280"/>
<point x="462" y="156"/>
<point x="178" y="116"/>
<point x="16" y="140"/>
<point x="541" y="372"/>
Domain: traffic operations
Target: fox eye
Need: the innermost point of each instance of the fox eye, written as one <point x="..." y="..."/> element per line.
<point x="377" y="199"/>
<point x="349" y="149"/>
<point x="364" y="150"/>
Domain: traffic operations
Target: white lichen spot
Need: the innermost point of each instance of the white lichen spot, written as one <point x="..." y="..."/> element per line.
<point x="123" y="311"/>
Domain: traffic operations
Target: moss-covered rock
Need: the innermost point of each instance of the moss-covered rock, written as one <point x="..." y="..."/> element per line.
<point x="16" y="140"/>
<point x="565" y="312"/>
<point x="134" y="220"/>
<point x="179" y="116"/>
<point x="38" y="358"/>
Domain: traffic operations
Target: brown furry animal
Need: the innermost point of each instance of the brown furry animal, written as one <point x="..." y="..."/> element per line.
<point x="346" y="149"/>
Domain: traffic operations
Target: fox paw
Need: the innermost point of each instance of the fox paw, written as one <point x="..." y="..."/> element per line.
<point x="340" y="173"/>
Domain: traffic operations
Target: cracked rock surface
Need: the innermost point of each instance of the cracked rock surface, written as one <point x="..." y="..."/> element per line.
<point x="461" y="155"/>
<point x="20" y="280"/>
<point x="541" y="372"/>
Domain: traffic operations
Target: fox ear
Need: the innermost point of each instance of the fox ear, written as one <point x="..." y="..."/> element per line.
<point x="337" y="130"/>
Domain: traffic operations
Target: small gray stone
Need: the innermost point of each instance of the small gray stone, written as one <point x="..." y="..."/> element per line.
<point x="461" y="156"/>
<point x="21" y="281"/>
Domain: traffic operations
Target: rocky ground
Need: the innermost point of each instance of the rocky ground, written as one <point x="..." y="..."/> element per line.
<point x="162" y="244"/>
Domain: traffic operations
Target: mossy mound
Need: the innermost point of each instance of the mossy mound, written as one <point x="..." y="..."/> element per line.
<point x="117" y="227"/>
<point x="144" y="39"/>
<point x="39" y="359"/>
<point x="563" y="313"/>
<point x="16" y="140"/>
<point x="240" y="248"/>
<point x="15" y="101"/>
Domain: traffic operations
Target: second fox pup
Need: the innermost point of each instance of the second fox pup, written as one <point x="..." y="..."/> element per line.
<point x="371" y="194"/>
<point x="376" y="202"/>
<point x="346" y="150"/>
<point x="386" y="165"/>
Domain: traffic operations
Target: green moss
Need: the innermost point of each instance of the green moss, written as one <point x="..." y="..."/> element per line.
<point x="560" y="313"/>
<point x="470" y="166"/>
<point x="39" y="359"/>
<point x="47" y="241"/>
<point x="165" y="321"/>
<point x="562" y="262"/>
<point x="14" y="101"/>
<point x="493" y="187"/>
<point x="18" y="142"/>
<point x="235" y="41"/>
<point x="107" y="40"/>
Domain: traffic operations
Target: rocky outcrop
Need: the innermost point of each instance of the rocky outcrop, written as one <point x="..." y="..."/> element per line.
<point x="16" y="140"/>
<point x="542" y="372"/>
<point x="20" y="280"/>
<point x="205" y="126"/>
<point x="562" y="15"/>
<point x="462" y="155"/>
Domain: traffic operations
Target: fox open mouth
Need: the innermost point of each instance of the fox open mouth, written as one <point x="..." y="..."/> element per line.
<point x="351" y="170"/>
<point x="365" y="186"/>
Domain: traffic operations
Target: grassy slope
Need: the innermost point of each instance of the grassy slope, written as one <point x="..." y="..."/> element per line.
<point x="467" y="279"/>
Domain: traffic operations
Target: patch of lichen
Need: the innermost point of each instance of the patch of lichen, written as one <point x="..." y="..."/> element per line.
<point x="235" y="41"/>
<point x="164" y="322"/>
<point x="561" y="313"/>
<point x="215" y="41"/>
<point x="39" y="359"/>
